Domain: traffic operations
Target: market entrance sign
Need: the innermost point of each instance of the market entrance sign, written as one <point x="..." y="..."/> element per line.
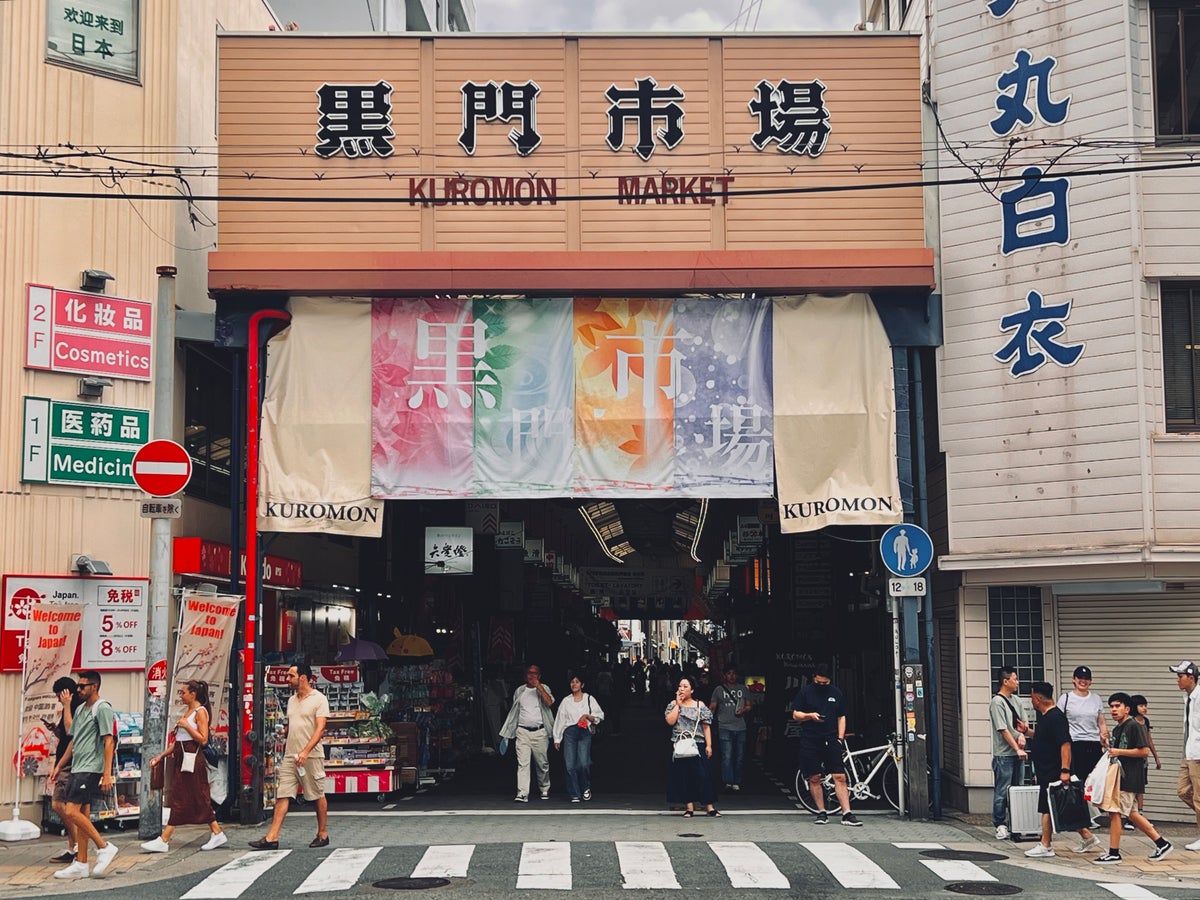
<point x="81" y="443"/>
<point x="88" y="334"/>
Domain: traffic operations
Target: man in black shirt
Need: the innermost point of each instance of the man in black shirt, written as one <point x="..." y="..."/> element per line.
<point x="1051" y="755"/>
<point x="820" y="708"/>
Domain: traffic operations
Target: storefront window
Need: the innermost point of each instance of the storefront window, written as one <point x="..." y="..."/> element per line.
<point x="1181" y="355"/>
<point x="208" y="418"/>
<point x="1015" y="631"/>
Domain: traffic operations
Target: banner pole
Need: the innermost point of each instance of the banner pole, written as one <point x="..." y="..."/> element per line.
<point x="17" y="829"/>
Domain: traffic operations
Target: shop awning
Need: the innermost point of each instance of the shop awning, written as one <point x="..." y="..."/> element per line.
<point x="570" y="272"/>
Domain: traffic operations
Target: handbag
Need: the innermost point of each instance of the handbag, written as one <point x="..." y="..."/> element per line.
<point x="156" y="774"/>
<point x="686" y="747"/>
<point x="189" y="762"/>
<point x="1068" y="809"/>
<point x="212" y="755"/>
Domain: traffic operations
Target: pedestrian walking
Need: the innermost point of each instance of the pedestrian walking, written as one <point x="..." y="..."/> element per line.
<point x="1188" y="788"/>
<point x="89" y="754"/>
<point x="1141" y="706"/>
<point x="69" y="700"/>
<point x="730" y="703"/>
<point x="820" y="708"/>
<point x="1008" y="747"/>
<point x="689" y="780"/>
<point x="1050" y="752"/>
<point x="1128" y="747"/>
<point x="191" y="803"/>
<point x="578" y="715"/>
<point x="530" y="724"/>
<point x="302" y="767"/>
<point x="1089" y="726"/>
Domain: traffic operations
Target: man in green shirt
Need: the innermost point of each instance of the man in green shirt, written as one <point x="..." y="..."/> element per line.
<point x="90" y="756"/>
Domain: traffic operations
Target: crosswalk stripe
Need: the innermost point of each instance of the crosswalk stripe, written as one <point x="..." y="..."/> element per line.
<point x="747" y="865"/>
<point x="916" y="845"/>
<point x="1131" y="892"/>
<point x="445" y="861"/>
<point x="850" y="867"/>
<point x="957" y="870"/>
<point x="233" y="878"/>
<point x="339" y="871"/>
<point x="646" y="865"/>
<point x="545" y="865"/>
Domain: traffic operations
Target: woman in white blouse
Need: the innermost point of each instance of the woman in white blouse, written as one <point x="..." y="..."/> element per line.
<point x="578" y="715"/>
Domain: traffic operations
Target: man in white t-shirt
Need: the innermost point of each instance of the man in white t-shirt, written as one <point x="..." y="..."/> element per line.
<point x="303" y="764"/>
<point x="530" y="723"/>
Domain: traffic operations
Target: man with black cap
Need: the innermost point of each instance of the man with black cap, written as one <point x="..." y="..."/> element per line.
<point x="820" y="708"/>
<point x="1189" y="769"/>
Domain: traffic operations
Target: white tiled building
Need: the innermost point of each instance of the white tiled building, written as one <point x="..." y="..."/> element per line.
<point x="1069" y="438"/>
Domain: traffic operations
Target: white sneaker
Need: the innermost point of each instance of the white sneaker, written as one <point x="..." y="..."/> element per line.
<point x="1084" y="846"/>
<point x="76" y="869"/>
<point x="158" y="845"/>
<point x="1194" y="845"/>
<point x="1002" y="832"/>
<point x="1040" y="851"/>
<point x="104" y="857"/>
<point x="735" y="787"/>
<point x="217" y="840"/>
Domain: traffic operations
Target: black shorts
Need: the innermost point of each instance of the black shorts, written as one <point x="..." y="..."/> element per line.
<point x="821" y="756"/>
<point x="1043" y="797"/>
<point x="81" y="786"/>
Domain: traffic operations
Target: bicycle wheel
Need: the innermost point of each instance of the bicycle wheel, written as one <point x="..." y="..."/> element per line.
<point x="890" y="775"/>
<point x="804" y="795"/>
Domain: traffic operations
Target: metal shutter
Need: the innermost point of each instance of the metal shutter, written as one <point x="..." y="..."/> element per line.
<point x="949" y="694"/>
<point x="1128" y="642"/>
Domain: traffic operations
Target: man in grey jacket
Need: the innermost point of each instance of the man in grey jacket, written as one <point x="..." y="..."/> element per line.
<point x="530" y="723"/>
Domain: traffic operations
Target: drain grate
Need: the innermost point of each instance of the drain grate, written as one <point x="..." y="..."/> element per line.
<point x="982" y="888"/>
<point x="964" y="855"/>
<point x="411" y="884"/>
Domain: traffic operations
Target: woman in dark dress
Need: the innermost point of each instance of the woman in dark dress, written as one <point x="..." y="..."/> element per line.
<point x="190" y="801"/>
<point x="689" y="780"/>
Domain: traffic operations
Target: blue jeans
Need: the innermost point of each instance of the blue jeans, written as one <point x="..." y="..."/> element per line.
<point x="577" y="754"/>
<point x="1008" y="770"/>
<point x="733" y="755"/>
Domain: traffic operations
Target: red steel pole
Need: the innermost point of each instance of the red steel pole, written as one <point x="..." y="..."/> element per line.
<point x="253" y="571"/>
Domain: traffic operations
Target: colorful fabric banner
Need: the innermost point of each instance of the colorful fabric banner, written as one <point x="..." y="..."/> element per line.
<point x="627" y="376"/>
<point x="424" y="354"/>
<point x="207" y="625"/>
<point x="315" y="464"/>
<point x="724" y="433"/>
<point x="525" y="399"/>
<point x="835" y="414"/>
<point x="51" y="640"/>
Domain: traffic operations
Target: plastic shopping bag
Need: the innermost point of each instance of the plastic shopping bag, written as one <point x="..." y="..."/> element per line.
<point x="1093" y="785"/>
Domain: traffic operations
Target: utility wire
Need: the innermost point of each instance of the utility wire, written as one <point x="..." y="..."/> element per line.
<point x="729" y="193"/>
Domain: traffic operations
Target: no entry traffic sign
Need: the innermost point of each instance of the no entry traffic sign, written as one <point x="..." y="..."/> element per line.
<point x="162" y="468"/>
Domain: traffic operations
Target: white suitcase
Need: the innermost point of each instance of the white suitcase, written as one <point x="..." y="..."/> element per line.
<point x="1024" y="820"/>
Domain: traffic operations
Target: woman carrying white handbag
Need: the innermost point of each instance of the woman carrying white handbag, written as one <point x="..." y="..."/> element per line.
<point x="689" y="780"/>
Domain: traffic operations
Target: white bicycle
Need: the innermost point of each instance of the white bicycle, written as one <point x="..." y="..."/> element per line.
<point x="867" y="770"/>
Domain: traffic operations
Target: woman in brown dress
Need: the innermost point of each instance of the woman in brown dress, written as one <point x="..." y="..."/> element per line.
<point x="190" y="802"/>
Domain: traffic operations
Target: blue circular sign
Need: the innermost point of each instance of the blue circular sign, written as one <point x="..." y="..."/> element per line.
<point x="907" y="550"/>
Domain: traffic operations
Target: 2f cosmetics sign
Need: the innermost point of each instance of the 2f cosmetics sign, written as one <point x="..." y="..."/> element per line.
<point x="87" y="334"/>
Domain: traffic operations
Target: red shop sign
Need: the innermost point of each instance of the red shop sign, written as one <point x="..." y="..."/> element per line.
<point x="197" y="556"/>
